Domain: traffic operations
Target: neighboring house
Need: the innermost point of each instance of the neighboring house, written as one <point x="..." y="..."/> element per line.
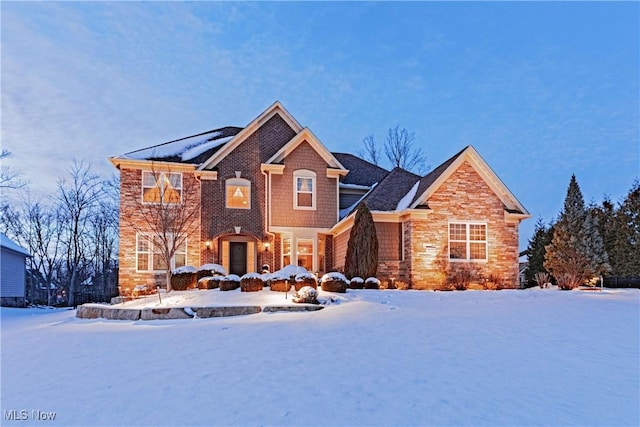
<point x="271" y="193"/>
<point x="12" y="273"/>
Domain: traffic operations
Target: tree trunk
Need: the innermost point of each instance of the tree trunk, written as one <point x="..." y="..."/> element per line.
<point x="168" y="281"/>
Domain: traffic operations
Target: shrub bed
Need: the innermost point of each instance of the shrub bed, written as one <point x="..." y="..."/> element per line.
<point x="356" y="283"/>
<point x="305" y="279"/>
<point x="334" y="282"/>
<point x="210" y="282"/>
<point x="183" y="278"/>
<point x="208" y="270"/>
<point x="372" y="283"/>
<point x="306" y="295"/>
<point x="230" y="282"/>
<point x="251" y="282"/>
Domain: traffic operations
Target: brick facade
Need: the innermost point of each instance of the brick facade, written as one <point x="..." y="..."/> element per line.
<point x="134" y="219"/>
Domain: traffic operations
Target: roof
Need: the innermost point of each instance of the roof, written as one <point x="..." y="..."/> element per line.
<point x="391" y="190"/>
<point x="361" y="172"/>
<point x="432" y="176"/>
<point x="8" y="244"/>
<point x="195" y="149"/>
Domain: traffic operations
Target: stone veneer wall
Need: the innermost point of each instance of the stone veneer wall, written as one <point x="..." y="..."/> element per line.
<point x="132" y="212"/>
<point x="463" y="197"/>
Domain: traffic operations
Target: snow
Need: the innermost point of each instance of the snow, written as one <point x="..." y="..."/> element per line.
<point x="187" y="148"/>
<point x="184" y="269"/>
<point x="406" y="200"/>
<point x="414" y="358"/>
<point x="214" y="268"/>
<point x="7" y="243"/>
<point x="250" y="276"/>
<point x="334" y="276"/>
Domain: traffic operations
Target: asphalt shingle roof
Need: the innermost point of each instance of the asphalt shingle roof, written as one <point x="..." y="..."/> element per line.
<point x="386" y="195"/>
<point x="361" y="172"/>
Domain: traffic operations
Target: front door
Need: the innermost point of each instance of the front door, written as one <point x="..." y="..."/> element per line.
<point x="238" y="258"/>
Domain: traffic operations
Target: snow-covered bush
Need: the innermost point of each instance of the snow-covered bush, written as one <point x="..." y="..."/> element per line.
<point x="306" y="295"/>
<point x="183" y="278"/>
<point x="356" y="283"/>
<point x="292" y="270"/>
<point x="251" y="282"/>
<point x="230" y="282"/>
<point x="279" y="284"/>
<point x="306" y="279"/>
<point x="334" y="282"/>
<point x="207" y="270"/>
<point x="371" y="283"/>
<point x="210" y="282"/>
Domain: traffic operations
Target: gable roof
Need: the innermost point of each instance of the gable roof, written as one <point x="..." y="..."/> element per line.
<point x="275" y="108"/>
<point x="361" y="172"/>
<point x="10" y="245"/>
<point x="311" y="139"/>
<point x="432" y="181"/>
<point x="192" y="150"/>
<point x="388" y="193"/>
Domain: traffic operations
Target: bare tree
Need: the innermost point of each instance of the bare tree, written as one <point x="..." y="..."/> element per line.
<point x="76" y="200"/>
<point x="9" y="177"/>
<point x="104" y="234"/>
<point x="399" y="149"/>
<point x="169" y="216"/>
<point x="371" y="152"/>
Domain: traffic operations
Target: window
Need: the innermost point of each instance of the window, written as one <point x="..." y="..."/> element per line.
<point x="321" y="252"/>
<point x="161" y="187"/>
<point x="304" y="191"/>
<point x="305" y="253"/>
<point x="238" y="193"/>
<point x="468" y="241"/>
<point x="149" y="254"/>
<point x="286" y="251"/>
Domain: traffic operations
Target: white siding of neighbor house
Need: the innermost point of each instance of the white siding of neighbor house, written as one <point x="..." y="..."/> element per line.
<point x="12" y="274"/>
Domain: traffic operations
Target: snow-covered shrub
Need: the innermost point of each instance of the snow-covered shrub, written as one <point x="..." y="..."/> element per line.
<point x="230" y="282"/>
<point x="184" y="278"/>
<point x="291" y="271"/>
<point x="207" y="270"/>
<point x="334" y="282"/>
<point x="306" y="295"/>
<point x="356" y="283"/>
<point x="251" y="282"/>
<point x="306" y="279"/>
<point x="279" y="284"/>
<point x="371" y="283"/>
<point x="210" y="282"/>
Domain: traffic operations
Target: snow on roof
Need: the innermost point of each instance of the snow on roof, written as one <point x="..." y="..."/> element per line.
<point x="186" y="148"/>
<point x="9" y="244"/>
<point x="408" y="198"/>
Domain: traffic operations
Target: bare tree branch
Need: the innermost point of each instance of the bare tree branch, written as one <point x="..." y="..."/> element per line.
<point x="9" y="177"/>
<point x="371" y="152"/>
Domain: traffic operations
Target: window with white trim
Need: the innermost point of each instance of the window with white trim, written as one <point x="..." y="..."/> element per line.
<point x="149" y="254"/>
<point x="304" y="189"/>
<point x="161" y="187"/>
<point x="467" y="241"/>
<point x="238" y="192"/>
<point x="304" y="253"/>
<point x="286" y="251"/>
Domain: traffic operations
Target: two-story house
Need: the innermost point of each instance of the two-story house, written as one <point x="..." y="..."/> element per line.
<point x="272" y="193"/>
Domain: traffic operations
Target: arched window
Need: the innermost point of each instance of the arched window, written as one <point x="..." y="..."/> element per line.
<point x="238" y="191"/>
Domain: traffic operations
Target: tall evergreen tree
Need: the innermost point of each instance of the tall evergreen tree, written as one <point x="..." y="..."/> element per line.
<point x="627" y="244"/>
<point x="576" y="253"/>
<point x="536" y="251"/>
<point x="362" y="250"/>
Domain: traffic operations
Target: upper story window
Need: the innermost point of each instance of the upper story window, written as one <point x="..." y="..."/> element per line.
<point x="161" y="187"/>
<point x="304" y="191"/>
<point x="467" y="241"/>
<point x="238" y="193"/>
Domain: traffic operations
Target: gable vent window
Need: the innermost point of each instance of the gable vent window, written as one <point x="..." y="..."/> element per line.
<point x="238" y="193"/>
<point x="161" y="187"/>
<point x="304" y="191"/>
<point x="467" y="241"/>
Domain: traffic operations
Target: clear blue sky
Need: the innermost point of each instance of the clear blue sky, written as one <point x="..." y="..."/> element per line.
<point x="542" y="90"/>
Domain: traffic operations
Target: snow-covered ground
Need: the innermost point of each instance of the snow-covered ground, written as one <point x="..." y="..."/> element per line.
<point x="534" y="357"/>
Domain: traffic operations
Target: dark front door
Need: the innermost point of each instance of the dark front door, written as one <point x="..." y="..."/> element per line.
<point x="238" y="258"/>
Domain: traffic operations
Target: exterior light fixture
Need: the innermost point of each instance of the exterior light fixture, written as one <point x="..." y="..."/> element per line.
<point x="267" y="245"/>
<point x="208" y="244"/>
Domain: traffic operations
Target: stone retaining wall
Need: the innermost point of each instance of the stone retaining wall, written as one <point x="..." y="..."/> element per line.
<point x="91" y="311"/>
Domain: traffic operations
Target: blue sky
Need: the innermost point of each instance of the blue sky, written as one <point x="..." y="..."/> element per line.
<point x="542" y="89"/>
